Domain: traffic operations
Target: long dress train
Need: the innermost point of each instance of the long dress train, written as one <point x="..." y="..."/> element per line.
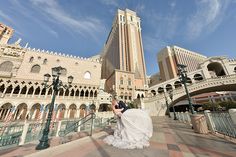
<point x="134" y="129"/>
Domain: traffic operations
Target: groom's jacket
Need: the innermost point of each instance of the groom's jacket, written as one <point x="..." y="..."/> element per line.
<point x="121" y="105"/>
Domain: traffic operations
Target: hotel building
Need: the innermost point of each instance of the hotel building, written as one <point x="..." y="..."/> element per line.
<point x="123" y="64"/>
<point x="22" y="72"/>
<point x="170" y="56"/>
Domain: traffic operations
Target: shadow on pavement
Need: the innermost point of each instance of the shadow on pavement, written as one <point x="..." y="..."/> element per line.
<point x="100" y="149"/>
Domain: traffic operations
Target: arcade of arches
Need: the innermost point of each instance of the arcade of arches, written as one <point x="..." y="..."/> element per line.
<point x="37" y="111"/>
<point x="26" y="93"/>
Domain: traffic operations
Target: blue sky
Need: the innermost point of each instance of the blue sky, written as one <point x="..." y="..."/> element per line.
<point x="80" y="27"/>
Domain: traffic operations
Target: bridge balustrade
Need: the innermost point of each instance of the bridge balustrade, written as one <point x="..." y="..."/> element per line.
<point x="218" y="122"/>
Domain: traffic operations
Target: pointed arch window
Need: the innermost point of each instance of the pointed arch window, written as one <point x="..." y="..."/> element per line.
<point x="87" y="75"/>
<point x="129" y="82"/>
<point x="45" y="61"/>
<point x="63" y="72"/>
<point x="31" y="59"/>
<point x="35" y="69"/>
<point x="6" y="66"/>
<point x="121" y="81"/>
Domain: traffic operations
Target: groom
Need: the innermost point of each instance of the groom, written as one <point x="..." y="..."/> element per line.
<point x="121" y="105"/>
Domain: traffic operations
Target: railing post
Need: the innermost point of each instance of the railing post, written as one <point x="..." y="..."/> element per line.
<point x="24" y="133"/>
<point x="58" y="128"/>
<point x="91" y="131"/>
<point x="209" y="121"/>
<point x="232" y="113"/>
<point x="78" y="129"/>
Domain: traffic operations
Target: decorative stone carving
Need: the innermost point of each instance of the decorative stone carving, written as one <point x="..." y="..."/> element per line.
<point x="11" y="51"/>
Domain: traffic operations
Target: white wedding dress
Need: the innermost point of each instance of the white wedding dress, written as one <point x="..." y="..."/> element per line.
<point x="133" y="130"/>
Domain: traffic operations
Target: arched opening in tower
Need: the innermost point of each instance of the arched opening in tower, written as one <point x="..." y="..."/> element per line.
<point x="215" y="69"/>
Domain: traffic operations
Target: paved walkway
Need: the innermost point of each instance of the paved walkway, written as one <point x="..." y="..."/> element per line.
<point x="170" y="139"/>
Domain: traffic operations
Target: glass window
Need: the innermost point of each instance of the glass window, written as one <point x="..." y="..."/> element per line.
<point x="6" y="66"/>
<point x="63" y="72"/>
<point x="121" y="81"/>
<point x="129" y="82"/>
<point x="31" y="59"/>
<point x="35" y="69"/>
<point x="45" y="61"/>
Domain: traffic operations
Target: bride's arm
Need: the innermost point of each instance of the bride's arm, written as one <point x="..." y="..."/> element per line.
<point x="117" y="111"/>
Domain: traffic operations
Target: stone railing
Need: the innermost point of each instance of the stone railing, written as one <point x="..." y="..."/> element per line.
<point x="217" y="122"/>
<point x="211" y="82"/>
<point x="19" y="133"/>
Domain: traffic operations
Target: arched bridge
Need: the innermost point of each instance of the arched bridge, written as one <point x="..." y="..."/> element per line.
<point x="215" y="74"/>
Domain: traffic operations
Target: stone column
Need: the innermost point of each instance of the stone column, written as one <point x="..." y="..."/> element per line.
<point x="12" y="91"/>
<point x="209" y="121"/>
<point x="65" y="113"/>
<point x="33" y="92"/>
<point x="58" y="128"/>
<point x="3" y="93"/>
<point x="8" y="111"/>
<point x="64" y="92"/>
<point x="68" y="114"/>
<point x="21" y="111"/>
<point x="40" y="93"/>
<point x="19" y="92"/>
<point x="26" y="94"/>
<point x="15" y="114"/>
<point x="34" y="114"/>
<point x="27" y="114"/>
<point x="1" y="113"/>
<point x="77" y="113"/>
<point x="24" y="133"/>
<point x="232" y="113"/>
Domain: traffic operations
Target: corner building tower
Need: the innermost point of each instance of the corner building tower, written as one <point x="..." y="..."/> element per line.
<point x="123" y="58"/>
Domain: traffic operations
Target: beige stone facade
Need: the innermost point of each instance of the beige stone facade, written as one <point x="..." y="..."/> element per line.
<point x="123" y="59"/>
<point x="22" y="72"/>
<point x="6" y="33"/>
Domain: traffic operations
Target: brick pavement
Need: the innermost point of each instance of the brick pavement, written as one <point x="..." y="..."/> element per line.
<point x="170" y="139"/>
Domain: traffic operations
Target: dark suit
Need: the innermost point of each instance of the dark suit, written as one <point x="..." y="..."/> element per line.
<point x="121" y="105"/>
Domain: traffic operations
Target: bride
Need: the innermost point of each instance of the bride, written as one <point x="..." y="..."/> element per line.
<point x="133" y="129"/>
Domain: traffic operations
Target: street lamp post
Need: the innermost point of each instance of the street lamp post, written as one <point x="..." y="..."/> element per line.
<point x="167" y="105"/>
<point x="56" y="84"/>
<point x="170" y="92"/>
<point x="183" y="79"/>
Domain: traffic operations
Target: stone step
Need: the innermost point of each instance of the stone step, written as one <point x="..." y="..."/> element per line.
<point x="57" y="150"/>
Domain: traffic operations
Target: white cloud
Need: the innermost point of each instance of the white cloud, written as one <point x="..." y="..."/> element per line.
<point x="6" y="17"/>
<point x="166" y="25"/>
<point x="26" y="12"/>
<point x="55" y="13"/>
<point x="153" y="44"/>
<point x="140" y="8"/>
<point x="172" y="4"/>
<point x="207" y="18"/>
<point x="110" y="2"/>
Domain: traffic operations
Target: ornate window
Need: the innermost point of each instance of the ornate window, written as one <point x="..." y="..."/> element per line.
<point x="129" y="82"/>
<point x="31" y="59"/>
<point x="6" y="66"/>
<point x="45" y="61"/>
<point x="63" y="72"/>
<point x="121" y="81"/>
<point x="87" y="75"/>
<point x="35" y="69"/>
